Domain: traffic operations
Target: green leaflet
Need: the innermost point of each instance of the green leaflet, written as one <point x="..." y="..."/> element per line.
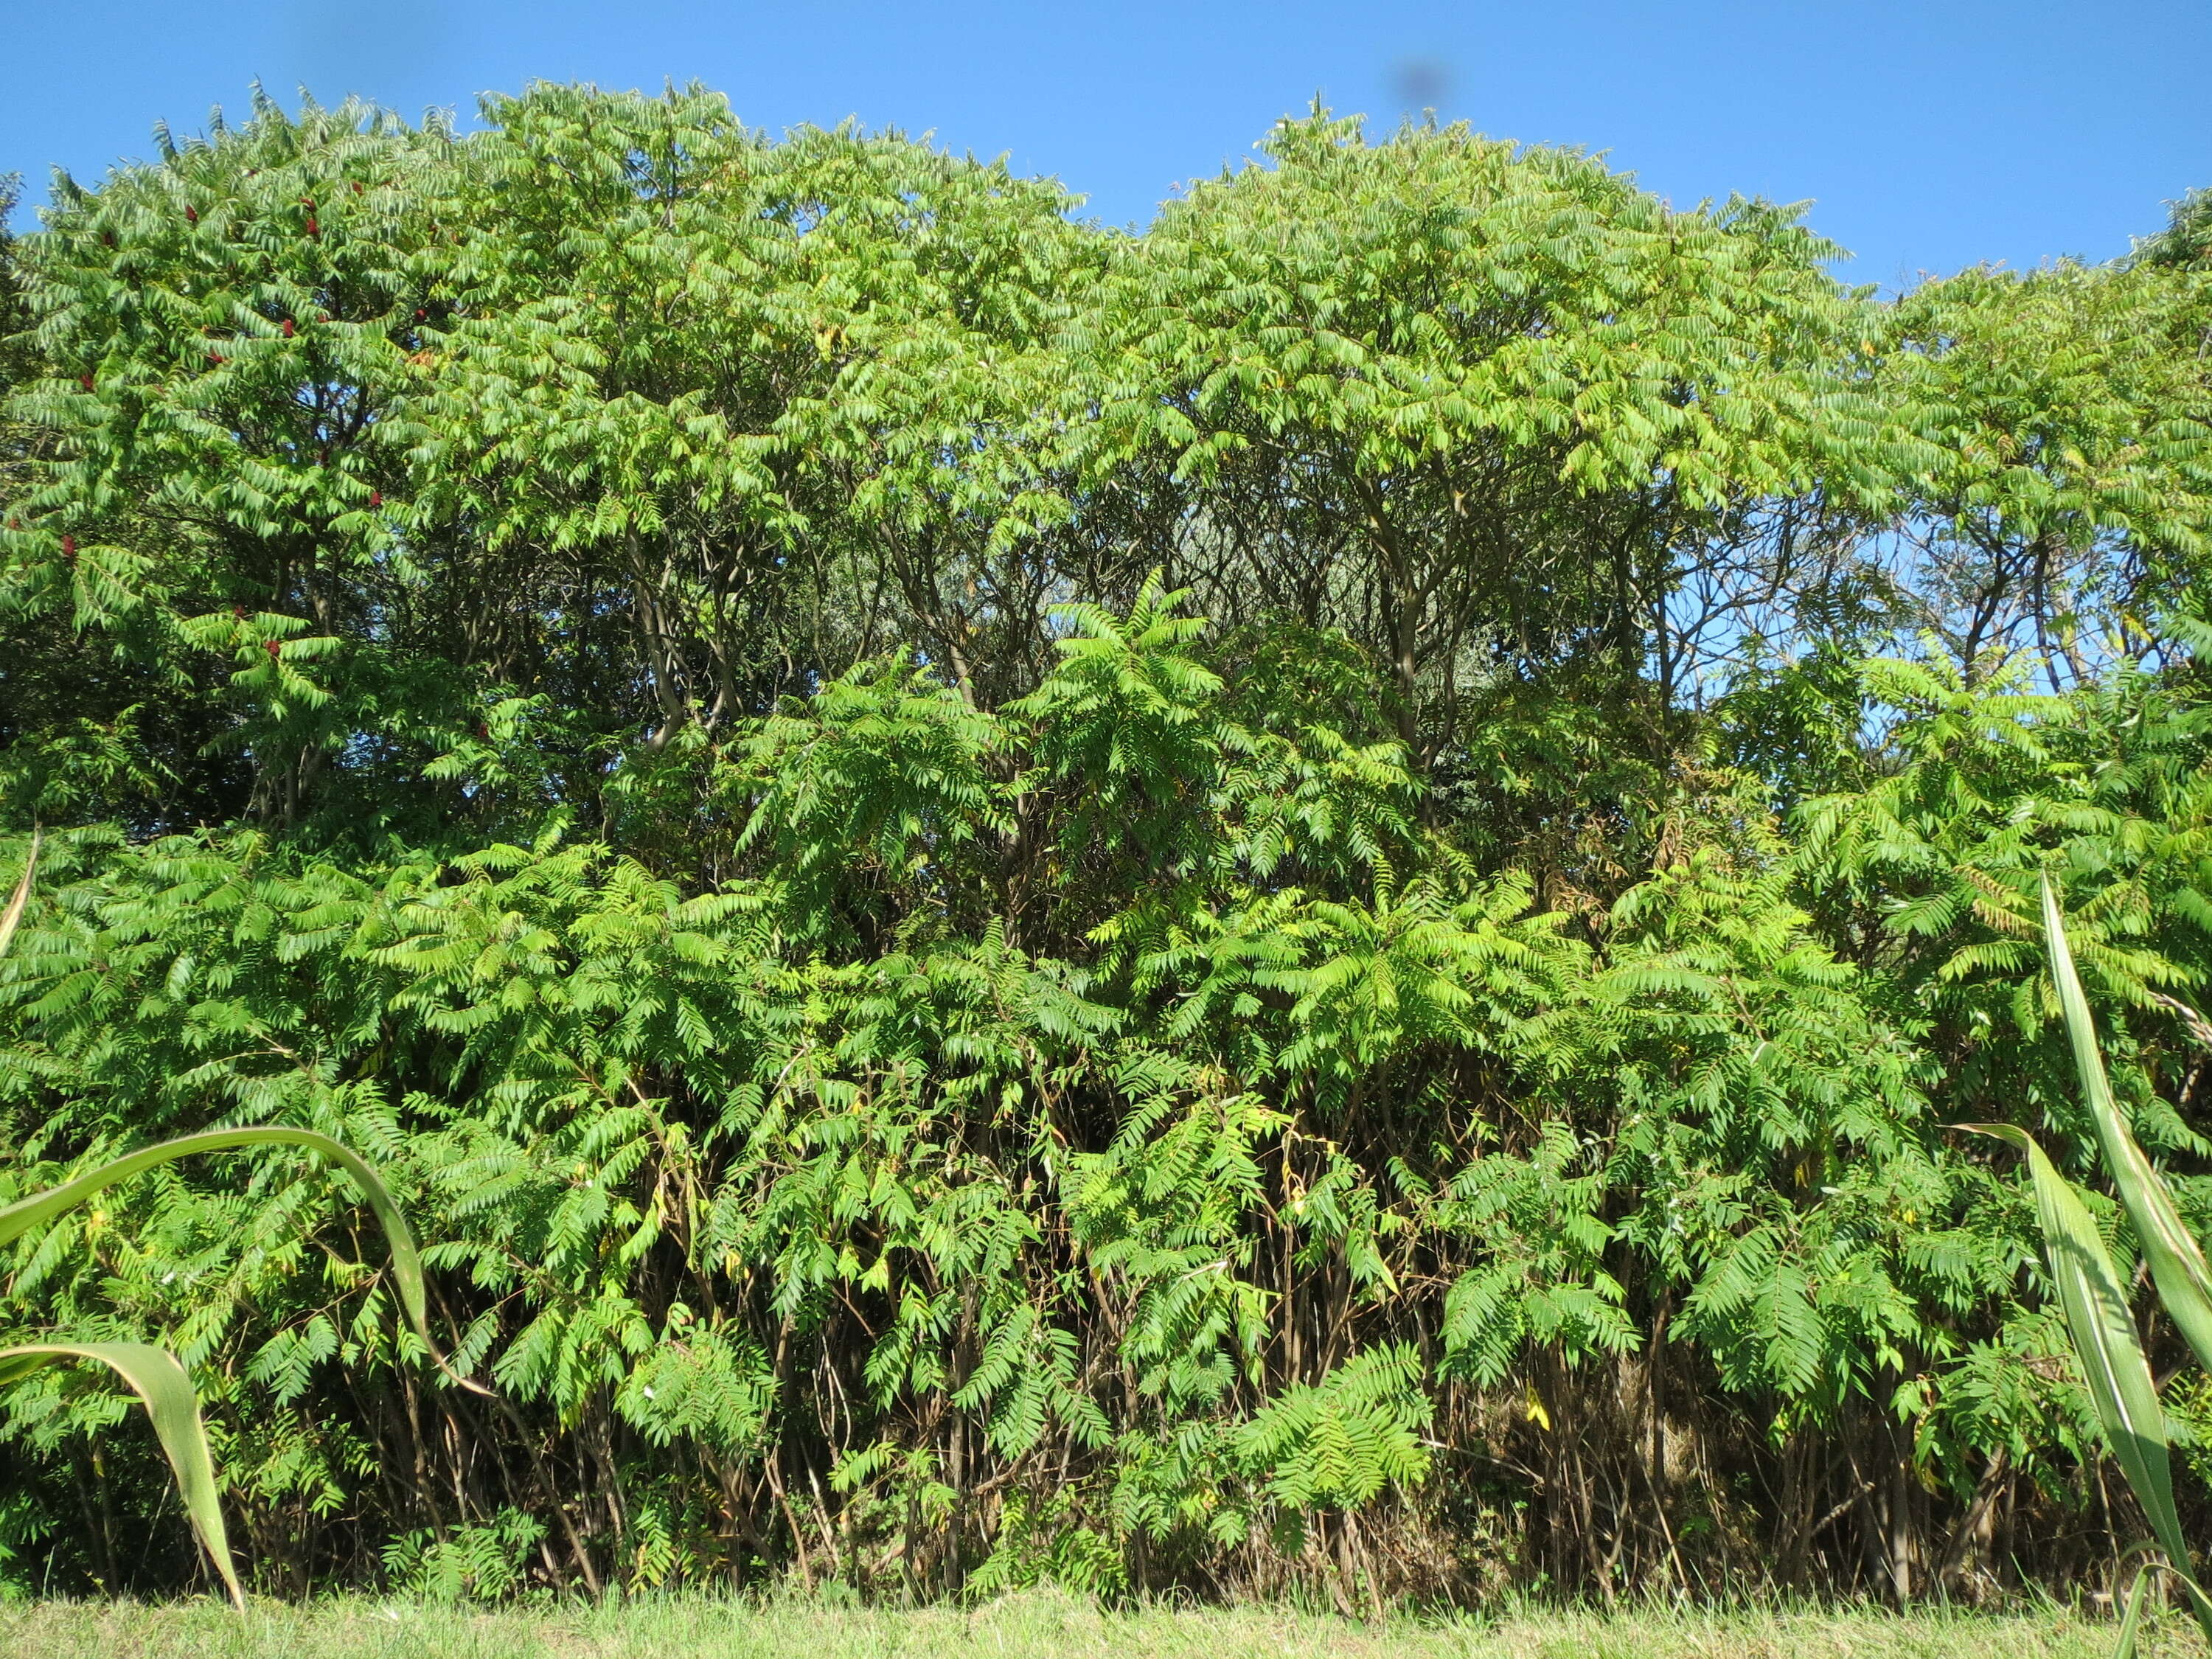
<point x="161" y="1382"/>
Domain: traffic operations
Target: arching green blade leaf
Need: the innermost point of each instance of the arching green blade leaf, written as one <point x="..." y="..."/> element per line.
<point x="2113" y="1365"/>
<point x="14" y="913"/>
<point x="40" y="1208"/>
<point x="2123" y="1644"/>
<point x="2176" y="1259"/>
<point x="156" y="1378"/>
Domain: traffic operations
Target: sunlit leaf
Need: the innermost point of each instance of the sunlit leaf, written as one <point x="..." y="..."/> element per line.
<point x="161" y="1383"/>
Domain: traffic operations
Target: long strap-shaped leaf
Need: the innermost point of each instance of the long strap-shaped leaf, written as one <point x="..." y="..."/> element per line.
<point x="19" y="1217"/>
<point x="2123" y="1644"/>
<point x="2176" y="1259"/>
<point x="14" y="913"/>
<point x="2112" y="1364"/>
<point x="38" y="1209"/>
<point x="161" y="1382"/>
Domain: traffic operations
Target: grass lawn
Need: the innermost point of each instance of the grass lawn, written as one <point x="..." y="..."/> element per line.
<point x="1036" y="1626"/>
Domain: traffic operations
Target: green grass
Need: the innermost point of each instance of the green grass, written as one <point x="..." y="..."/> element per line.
<point x="1036" y="1626"/>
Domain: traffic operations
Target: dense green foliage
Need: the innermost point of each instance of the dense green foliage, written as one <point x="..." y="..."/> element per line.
<point x="1300" y="898"/>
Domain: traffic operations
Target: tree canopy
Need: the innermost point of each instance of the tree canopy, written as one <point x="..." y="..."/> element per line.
<point x="1299" y="898"/>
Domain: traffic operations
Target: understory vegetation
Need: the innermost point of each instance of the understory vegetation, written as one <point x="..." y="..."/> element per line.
<point x="1295" y="904"/>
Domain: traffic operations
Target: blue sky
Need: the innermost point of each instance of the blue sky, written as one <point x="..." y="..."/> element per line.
<point x="1928" y="135"/>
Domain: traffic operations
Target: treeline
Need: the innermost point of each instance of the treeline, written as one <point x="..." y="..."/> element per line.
<point x="1295" y="901"/>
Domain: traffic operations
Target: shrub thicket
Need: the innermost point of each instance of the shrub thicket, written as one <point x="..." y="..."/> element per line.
<point x="653" y="682"/>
